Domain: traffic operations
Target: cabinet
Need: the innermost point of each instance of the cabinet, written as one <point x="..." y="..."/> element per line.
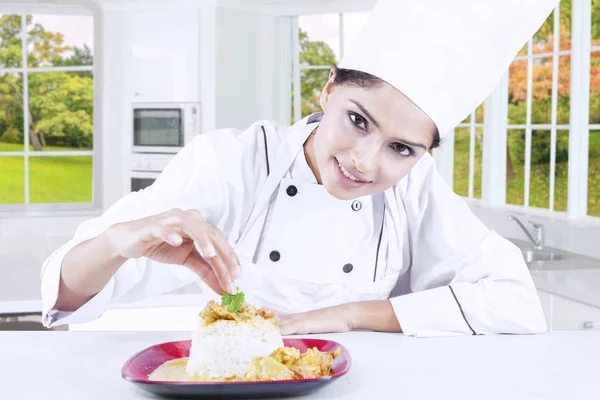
<point x="573" y="315"/>
<point x="564" y="314"/>
<point x="546" y="301"/>
<point x="164" y="55"/>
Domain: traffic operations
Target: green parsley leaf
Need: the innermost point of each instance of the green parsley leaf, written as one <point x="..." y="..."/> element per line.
<point x="233" y="302"/>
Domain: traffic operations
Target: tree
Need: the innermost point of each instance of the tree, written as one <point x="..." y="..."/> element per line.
<point x="313" y="80"/>
<point x="542" y="86"/>
<point x="81" y="56"/>
<point x="60" y="104"/>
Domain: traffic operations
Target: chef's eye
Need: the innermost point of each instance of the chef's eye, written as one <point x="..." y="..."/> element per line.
<point x="402" y="149"/>
<point x="358" y="120"/>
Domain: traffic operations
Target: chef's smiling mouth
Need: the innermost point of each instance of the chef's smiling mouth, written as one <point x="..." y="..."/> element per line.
<point x="351" y="173"/>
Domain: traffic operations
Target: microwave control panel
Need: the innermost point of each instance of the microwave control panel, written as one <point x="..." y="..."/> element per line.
<point x="149" y="161"/>
<point x="192" y="119"/>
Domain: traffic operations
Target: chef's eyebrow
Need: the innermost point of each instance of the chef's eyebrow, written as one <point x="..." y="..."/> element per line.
<point x="364" y="110"/>
<point x="403" y="141"/>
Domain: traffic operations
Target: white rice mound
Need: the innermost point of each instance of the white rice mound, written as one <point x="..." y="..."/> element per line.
<point x="225" y="349"/>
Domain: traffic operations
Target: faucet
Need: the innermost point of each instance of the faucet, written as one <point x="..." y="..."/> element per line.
<point x="538" y="232"/>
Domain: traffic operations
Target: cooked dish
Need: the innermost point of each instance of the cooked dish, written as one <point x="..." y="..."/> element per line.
<point x="241" y="343"/>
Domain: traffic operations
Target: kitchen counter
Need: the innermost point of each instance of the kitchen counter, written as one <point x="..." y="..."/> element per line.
<point x="575" y="276"/>
<point x="582" y="285"/>
<point x="87" y="365"/>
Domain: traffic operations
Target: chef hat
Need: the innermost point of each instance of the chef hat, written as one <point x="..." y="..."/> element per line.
<point x="446" y="56"/>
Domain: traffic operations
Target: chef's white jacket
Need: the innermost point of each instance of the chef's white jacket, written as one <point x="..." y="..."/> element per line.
<point x="417" y="243"/>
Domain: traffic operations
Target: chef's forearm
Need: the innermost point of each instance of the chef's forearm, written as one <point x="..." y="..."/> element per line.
<point x="377" y="315"/>
<point x="86" y="269"/>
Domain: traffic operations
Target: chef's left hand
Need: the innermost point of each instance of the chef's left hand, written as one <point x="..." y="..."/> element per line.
<point x="326" y="320"/>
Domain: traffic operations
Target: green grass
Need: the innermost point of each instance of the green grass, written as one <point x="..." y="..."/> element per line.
<point x="51" y="179"/>
<point x="540" y="176"/>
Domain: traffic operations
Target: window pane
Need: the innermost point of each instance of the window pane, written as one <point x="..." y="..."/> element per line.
<point x="60" y="179"/>
<point x="12" y="180"/>
<point x="61" y="106"/>
<point x="523" y="51"/>
<point x="11" y="113"/>
<point x="561" y="177"/>
<point x="478" y="116"/>
<point x="461" y="161"/>
<point x="596" y="22"/>
<point x="564" y="90"/>
<point x="517" y="92"/>
<point x="319" y="39"/>
<point x="59" y="40"/>
<point x="541" y="107"/>
<point x="594" y="175"/>
<point x="595" y="87"/>
<point x="467" y="120"/>
<point x="542" y="40"/>
<point x="11" y="46"/>
<point x="565" y="25"/>
<point x="479" y="112"/>
<point x="353" y="24"/>
<point x="312" y="82"/>
<point x="515" y="167"/>
<point x="539" y="187"/>
<point x="478" y="160"/>
<point x="462" y="147"/>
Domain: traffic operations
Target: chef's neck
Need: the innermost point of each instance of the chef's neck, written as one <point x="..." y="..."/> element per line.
<point x="309" y="153"/>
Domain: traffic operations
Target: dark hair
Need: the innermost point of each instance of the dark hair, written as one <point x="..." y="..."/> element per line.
<point x="361" y="79"/>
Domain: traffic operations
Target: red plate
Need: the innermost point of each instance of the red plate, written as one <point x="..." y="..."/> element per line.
<point x="141" y="365"/>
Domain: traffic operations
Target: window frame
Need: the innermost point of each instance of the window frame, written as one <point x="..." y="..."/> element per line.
<point x="51" y="209"/>
<point x="297" y="68"/>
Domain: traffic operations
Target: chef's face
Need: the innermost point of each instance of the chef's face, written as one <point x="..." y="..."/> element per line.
<point x="368" y="139"/>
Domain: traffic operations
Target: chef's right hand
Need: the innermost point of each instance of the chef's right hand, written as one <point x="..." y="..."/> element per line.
<point x="182" y="238"/>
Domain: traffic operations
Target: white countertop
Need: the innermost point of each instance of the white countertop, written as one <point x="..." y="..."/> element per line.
<point x="581" y="285"/>
<point x="87" y="365"/>
<point x="577" y="278"/>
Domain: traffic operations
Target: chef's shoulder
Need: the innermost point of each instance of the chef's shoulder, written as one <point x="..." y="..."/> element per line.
<point x="424" y="186"/>
<point x="247" y="147"/>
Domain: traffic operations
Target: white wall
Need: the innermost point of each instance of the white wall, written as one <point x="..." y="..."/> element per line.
<point x="248" y="68"/>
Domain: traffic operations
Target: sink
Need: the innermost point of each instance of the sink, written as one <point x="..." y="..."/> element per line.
<point x="533" y="255"/>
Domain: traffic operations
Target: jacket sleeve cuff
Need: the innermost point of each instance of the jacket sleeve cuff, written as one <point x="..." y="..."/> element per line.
<point x="431" y="313"/>
<point x="91" y="310"/>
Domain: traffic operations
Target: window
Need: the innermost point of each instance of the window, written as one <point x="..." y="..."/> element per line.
<point x="320" y="44"/>
<point x="538" y="117"/>
<point x="593" y="200"/>
<point x="468" y="147"/>
<point x="46" y="112"/>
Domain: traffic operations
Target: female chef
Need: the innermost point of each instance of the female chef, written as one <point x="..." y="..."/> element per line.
<point x="340" y="221"/>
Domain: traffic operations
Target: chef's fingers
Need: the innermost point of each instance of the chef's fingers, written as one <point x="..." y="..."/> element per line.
<point x="197" y="264"/>
<point x="223" y="274"/>
<point x="170" y="236"/>
<point x="226" y="252"/>
<point x="202" y="233"/>
<point x="185" y="224"/>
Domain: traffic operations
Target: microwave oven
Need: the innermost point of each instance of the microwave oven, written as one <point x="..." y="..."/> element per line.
<point x="164" y="127"/>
